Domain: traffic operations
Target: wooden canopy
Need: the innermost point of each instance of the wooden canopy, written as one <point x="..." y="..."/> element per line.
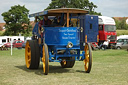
<point x="55" y="12"/>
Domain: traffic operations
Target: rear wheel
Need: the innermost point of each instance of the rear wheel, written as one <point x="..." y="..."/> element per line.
<point x="68" y="62"/>
<point x="32" y="54"/>
<point x="118" y="48"/>
<point x="45" y="59"/>
<point x="88" y="58"/>
<point x="37" y="50"/>
<point x="72" y="62"/>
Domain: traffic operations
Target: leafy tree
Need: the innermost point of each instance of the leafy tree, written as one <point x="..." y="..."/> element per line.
<point x="121" y="25"/>
<point x="16" y="20"/>
<point x="82" y="4"/>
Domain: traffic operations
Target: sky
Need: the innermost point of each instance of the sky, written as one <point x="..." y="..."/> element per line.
<point x="111" y="8"/>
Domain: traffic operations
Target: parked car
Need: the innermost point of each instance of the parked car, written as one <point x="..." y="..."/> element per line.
<point x="16" y="43"/>
<point x="8" y="45"/>
<point x="122" y="43"/>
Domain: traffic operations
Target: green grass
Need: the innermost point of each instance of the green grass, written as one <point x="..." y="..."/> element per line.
<point x="122" y="32"/>
<point x="109" y="67"/>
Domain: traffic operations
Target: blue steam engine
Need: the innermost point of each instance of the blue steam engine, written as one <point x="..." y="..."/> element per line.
<point x="59" y="43"/>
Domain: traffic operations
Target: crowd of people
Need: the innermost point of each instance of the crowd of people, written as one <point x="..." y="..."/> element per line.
<point x="57" y="22"/>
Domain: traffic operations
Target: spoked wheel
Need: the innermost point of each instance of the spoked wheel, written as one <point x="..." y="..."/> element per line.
<point x="45" y="59"/>
<point x="32" y="54"/>
<point x="88" y="58"/>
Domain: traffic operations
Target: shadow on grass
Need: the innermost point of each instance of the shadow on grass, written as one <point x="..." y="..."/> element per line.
<point x="39" y="71"/>
<point x="80" y="71"/>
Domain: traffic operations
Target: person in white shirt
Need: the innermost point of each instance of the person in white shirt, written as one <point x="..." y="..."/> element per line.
<point x="106" y="43"/>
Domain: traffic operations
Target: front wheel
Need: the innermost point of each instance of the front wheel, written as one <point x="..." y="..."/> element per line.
<point x="45" y="59"/>
<point x="88" y="58"/>
<point x="32" y="56"/>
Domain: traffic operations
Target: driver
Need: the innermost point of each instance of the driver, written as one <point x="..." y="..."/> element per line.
<point x="45" y="22"/>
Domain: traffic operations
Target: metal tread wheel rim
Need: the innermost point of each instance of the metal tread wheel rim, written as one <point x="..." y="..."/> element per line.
<point x="28" y="55"/>
<point x="45" y="60"/>
<point x="88" y="58"/>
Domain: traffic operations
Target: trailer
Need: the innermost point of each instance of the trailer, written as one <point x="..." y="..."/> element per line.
<point x="63" y="44"/>
<point x="7" y="39"/>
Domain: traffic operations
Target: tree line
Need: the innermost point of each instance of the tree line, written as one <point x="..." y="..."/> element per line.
<point x="17" y="20"/>
<point x="121" y="24"/>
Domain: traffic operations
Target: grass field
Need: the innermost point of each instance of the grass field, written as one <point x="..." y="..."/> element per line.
<point x="122" y="32"/>
<point x="110" y="67"/>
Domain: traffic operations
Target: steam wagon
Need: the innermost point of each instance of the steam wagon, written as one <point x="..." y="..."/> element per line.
<point x="61" y="35"/>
